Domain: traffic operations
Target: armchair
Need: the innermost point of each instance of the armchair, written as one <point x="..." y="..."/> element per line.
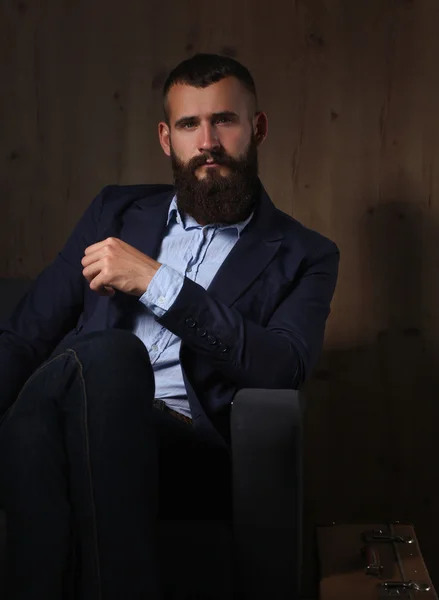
<point x="258" y="554"/>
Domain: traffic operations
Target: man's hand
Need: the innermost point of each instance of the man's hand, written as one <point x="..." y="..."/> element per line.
<point x="114" y="265"/>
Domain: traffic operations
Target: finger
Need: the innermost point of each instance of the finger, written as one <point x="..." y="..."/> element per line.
<point x="110" y="241"/>
<point x="97" y="251"/>
<point x="106" y="290"/>
<point x="92" y="270"/>
<point x="99" y="285"/>
<point x="95" y="256"/>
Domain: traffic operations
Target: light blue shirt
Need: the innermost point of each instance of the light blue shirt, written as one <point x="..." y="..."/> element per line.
<point x="188" y="250"/>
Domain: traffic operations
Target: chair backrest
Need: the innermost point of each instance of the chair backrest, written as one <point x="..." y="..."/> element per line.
<point x="11" y="291"/>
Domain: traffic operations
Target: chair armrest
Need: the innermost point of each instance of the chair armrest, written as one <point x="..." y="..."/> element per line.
<point x="266" y="432"/>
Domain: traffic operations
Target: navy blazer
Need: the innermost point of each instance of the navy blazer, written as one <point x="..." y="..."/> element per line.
<point x="264" y="312"/>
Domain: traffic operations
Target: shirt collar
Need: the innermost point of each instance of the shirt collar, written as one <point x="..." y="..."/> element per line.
<point x="189" y="222"/>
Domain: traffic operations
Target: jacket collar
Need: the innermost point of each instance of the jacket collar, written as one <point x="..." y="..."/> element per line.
<point x="188" y="222"/>
<point x="144" y="224"/>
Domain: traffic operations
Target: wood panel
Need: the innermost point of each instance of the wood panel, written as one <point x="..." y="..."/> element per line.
<point x="371" y="436"/>
<point x="351" y="90"/>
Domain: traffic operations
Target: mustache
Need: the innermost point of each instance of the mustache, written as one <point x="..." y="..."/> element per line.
<point x="218" y="158"/>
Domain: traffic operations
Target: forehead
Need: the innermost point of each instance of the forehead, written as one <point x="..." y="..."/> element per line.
<point x="226" y="95"/>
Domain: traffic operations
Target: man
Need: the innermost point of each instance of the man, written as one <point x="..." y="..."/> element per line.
<point x="119" y="367"/>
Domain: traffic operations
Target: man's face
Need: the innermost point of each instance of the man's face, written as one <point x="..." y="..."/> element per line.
<point x="212" y="141"/>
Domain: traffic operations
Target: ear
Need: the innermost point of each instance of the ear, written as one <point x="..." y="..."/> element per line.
<point x="260" y="127"/>
<point x="164" y="137"/>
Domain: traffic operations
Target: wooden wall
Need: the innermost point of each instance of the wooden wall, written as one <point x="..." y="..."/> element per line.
<point x="352" y="92"/>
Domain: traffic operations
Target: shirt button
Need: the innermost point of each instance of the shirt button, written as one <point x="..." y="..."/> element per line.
<point x="189" y="269"/>
<point x="211" y="339"/>
<point x="162" y="300"/>
<point x="190" y="322"/>
<point x="154" y="347"/>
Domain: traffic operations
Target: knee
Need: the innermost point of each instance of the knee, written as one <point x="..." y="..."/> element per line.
<point x="112" y="358"/>
<point x="115" y="346"/>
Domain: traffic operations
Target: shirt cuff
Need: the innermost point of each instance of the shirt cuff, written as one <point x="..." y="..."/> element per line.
<point x="162" y="290"/>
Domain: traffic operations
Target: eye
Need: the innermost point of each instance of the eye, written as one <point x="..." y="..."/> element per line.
<point x="189" y="125"/>
<point x="224" y="120"/>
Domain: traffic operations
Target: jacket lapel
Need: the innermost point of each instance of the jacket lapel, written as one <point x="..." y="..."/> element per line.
<point x="142" y="225"/>
<point x="257" y="245"/>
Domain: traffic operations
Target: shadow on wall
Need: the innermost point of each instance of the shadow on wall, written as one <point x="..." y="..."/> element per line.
<point x="371" y="428"/>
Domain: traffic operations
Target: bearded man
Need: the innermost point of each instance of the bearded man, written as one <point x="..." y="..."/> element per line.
<point x="119" y="367"/>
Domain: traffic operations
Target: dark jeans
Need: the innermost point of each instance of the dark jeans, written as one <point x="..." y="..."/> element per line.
<point x="86" y="465"/>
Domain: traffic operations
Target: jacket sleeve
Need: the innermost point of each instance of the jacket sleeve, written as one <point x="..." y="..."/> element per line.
<point x="279" y="355"/>
<point x="47" y="312"/>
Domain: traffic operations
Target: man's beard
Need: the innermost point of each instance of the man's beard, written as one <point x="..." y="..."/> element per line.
<point x="215" y="198"/>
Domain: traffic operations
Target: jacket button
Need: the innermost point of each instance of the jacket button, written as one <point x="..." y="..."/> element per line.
<point x="201" y="332"/>
<point x="212" y="340"/>
<point x="190" y="322"/>
<point x="222" y="348"/>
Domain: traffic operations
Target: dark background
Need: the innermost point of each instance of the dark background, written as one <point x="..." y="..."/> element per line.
<point x="351" y="88"/>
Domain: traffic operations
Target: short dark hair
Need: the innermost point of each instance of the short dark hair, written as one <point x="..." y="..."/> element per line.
<point x="201" y="70"/>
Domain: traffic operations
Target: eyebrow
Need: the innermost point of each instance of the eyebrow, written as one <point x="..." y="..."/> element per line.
<point x="224" y="113"/>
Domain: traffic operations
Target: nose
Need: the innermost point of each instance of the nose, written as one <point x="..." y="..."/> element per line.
<point x="208" y="138"/>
